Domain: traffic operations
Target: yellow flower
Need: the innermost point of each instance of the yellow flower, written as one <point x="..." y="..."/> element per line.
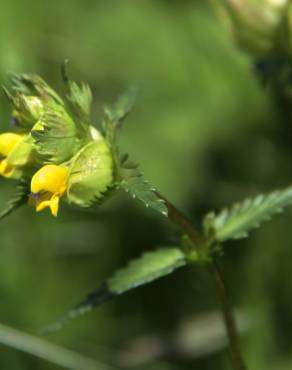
<point x="8" y="141"/>
<point x="48" y="185"/>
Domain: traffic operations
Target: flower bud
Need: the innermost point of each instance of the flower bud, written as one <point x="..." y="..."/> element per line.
<point x="255" y="24"/>
<point x="285" y="36"/>
<point x="30" y="94"/>
<point x="28" y="110"/>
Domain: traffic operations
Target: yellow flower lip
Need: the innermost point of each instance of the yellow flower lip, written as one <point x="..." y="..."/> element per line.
<point x="48" y="185"/>
<point x="8" y="142"/>
<point x="6" y="169"/>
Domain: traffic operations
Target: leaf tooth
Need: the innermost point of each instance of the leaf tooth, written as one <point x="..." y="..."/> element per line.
<point x="236" y="222"/>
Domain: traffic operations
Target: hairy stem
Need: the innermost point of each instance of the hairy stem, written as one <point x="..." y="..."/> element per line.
<point x="186" y="226"/>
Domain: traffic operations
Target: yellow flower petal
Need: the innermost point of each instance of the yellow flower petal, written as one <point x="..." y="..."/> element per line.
<point x="42" y="205"/>
<point x="8" y="141"/>
<point x="48" y="185"/>
<point x="50" y="178"/>
<point x="42" y="201"/>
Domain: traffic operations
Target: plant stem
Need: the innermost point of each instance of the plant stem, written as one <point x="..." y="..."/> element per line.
<point x="178" y="218"/>
<point x="48" y="351"/>
<point x="229" y="319"/>
<point x="186" y="226"/>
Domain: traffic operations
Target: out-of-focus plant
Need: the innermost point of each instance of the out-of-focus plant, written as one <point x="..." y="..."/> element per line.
<point x="263" y="29"/>
<point x="57" y="155"/>
<point x="257" y="25"/>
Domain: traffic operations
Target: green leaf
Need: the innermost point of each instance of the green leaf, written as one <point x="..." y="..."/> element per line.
<point x="122" y="107"/>
<point x="19" y="85"/>
<point x="113" y="118"/>
<point x="18" y="199"/>
<point x="80" y="98"/>
<point x="236" y="222"/>
<point x="134" y="183"/>
<point x="149" y="267"/>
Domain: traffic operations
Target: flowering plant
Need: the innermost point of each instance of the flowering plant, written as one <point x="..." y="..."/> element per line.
<point x="57" y="154"/>
<point x="60" y="153"/>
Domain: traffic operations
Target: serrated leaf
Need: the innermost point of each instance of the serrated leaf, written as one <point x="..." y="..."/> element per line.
<point x="113" y="118"/>
<point x="32" y="84"/>
<point x="236" y="222"/>
<point x="18" y="199"/>
<point x="115" y="115"/>
<point x="19" y="85"/>
<point x="123" y="106"/>
<point x="80" y="100"/>
<point x="134" y="183"/>
<point x="149" y="267"/>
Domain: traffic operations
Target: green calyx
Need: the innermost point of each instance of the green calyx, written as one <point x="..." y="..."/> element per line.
<point x="91" y="174"/>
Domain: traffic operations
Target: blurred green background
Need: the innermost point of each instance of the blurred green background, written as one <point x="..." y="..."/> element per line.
<point x="205" y="133"/>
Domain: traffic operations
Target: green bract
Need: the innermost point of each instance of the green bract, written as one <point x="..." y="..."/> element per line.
<point x="30" y="94"/>
<point x="55" y="135"/>
<point x="28" y="109"/>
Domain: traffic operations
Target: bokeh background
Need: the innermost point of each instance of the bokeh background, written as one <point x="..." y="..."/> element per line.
<point x="206" y="133"/>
